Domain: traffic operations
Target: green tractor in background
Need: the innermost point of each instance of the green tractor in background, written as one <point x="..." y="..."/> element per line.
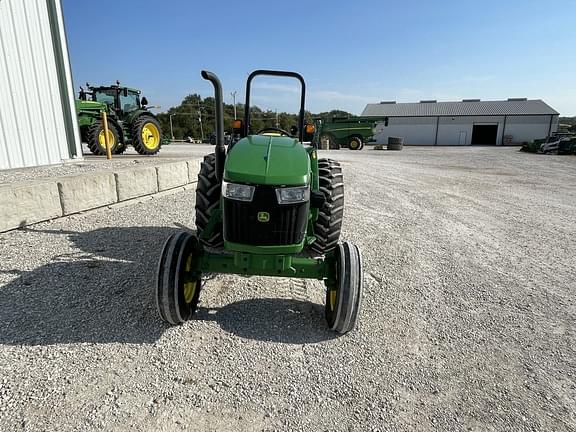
<point x="347" y="132"/>
<point x="129" y="120"/>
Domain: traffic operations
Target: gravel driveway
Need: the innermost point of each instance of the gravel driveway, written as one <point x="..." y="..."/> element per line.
<point x="468" y="320"/>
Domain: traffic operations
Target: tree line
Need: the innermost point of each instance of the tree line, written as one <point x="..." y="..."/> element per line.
<point x="568" y="124"/>
<point x="195" y="117"/>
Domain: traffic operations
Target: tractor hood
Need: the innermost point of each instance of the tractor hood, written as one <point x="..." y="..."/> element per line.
<point x="85" y="105"/>
<point x="268" y="160"/>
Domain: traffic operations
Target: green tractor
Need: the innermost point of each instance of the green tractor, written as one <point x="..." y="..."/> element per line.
<point x="267" y="206"/>
<point x="129" y="120"/>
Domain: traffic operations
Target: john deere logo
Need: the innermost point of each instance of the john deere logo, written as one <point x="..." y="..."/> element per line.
<point x="263" y="216"/>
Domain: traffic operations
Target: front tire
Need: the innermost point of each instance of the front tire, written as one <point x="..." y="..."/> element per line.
<point x="146" y="135"/>
<point x="343" y="300"/>
<point x="208" y="190"/>
<point x="177" y="290"/>
<point x="329" y="223"/>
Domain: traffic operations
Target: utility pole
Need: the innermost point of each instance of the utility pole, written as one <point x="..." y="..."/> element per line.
<point x="233" y="94"/>
<point x="200" y="121"/>
<point x="171" y="127"/>
<point x="277" y="124"/>
<point x="201" y="128"/>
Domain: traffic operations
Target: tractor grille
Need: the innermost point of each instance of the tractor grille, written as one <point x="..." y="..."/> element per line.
<point x="286" y="225"/>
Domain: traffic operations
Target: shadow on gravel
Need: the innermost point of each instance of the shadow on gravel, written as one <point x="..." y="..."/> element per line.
<point x="100" y="294"/>
<point x="271" y="320"/>
<point x="103" y="293"/>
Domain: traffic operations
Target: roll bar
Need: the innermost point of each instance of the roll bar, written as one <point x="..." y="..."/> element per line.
<point x="275" y="73"/>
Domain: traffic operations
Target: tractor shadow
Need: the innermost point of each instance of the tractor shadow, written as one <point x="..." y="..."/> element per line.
<point x="276" y="320"/>
<point x="99" y="293"/>
<point x="102" y="292"/>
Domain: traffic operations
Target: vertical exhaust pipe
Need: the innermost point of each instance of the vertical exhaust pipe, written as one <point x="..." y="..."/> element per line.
<point x="220" y="151"/>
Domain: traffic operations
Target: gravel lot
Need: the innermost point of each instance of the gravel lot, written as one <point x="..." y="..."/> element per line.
<point x="468" y="320"/>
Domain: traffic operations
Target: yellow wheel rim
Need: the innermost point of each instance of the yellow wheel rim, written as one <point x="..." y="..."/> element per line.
<point x="332" y="300"/>
<point x="102" y="141"/>
<point x="189" y="291"/>
<point x="150" y="136"/>
<point x="189" y="287"/>
<point x="354" y="144"/>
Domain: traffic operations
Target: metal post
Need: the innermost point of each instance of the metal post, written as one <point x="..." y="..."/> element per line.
<point x="200" y="121"/>
<point x="106" y="140"/>
<point x="201" y="128"/>
<point x="171" y="127"/>
<point x="234" y="99"/>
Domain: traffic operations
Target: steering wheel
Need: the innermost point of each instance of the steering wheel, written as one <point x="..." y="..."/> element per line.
<point x="282" y="132"/>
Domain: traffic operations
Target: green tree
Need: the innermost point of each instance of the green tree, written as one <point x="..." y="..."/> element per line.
<point x="186" y="117"/>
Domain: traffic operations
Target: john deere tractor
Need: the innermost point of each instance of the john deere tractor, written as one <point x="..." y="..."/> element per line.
<point x="129" y="120"/>
<point x="267" y="206"/>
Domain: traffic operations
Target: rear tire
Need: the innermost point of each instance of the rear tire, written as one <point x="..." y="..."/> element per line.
<point x="177" y="291"/>
<point x="329" y="223"/>
<point x="95" y="138"/>
<point x="120" y="149"/>
<point x="355" y="143"/>
<point x="146" y="135"/>
<point x="343" y="301"/>
<point x="208" y="190"/>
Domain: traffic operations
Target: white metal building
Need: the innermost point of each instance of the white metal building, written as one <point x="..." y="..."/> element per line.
<point x="471" y="121"/>
<point x="37" y="116"/>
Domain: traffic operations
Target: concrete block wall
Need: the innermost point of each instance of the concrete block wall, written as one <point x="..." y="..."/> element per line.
<point x="83" y="192"/>
<point x="23" y="204"/>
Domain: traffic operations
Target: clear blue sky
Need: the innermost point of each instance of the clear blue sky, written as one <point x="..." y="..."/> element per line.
<point x="350" y="53"/>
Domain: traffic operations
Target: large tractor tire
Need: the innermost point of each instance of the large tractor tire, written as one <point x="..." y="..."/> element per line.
<point x="395" y="143"/>
<point x="96" y="141"/>
<point x="208" y="191"/>
<point x="355" y="143"/>
<point x="177" y="289"/>
<point x="146" y="135"/>
<point x="344" y="298"/>
<point x="327" y="226"/>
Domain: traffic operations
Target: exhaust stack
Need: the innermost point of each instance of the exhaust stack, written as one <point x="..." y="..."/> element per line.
<point x="220" y="151"/>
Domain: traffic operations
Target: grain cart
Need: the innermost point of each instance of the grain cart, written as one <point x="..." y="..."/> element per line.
<point x="129" y="120"/>
<point x="268" y="206"/>
<point x="350" y="132"/>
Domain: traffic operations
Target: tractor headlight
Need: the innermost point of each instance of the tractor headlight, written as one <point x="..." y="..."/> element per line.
<point x="293" y="195"/>
<point x="237" y="191"/>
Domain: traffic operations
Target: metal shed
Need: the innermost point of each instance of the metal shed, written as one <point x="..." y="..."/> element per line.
<point x="470" y="121"/>
<point x="37" y="116"/>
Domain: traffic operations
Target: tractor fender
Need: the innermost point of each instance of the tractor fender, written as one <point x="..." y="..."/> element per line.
<point x="138" y="114"/>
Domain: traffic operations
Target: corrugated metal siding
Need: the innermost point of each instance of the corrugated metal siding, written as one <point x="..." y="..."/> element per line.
<point x="32" y="112"/>
<point x="528" y="107"/>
